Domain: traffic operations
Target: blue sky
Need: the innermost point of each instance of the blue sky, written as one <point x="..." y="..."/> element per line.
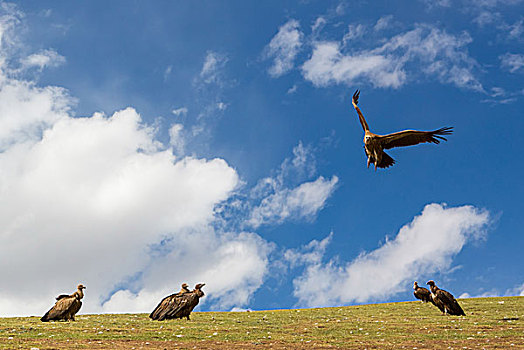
<point x="147" y="144"/>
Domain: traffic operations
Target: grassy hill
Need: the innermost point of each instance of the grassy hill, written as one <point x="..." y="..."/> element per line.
<point x="491" y="323"/>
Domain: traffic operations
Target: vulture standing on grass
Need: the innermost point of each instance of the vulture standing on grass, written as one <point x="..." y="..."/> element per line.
<point x="422" y="293"/>
<point x="66" y="306"/>
<point x="178" y="305"/>
<point x="445" y="301"/>
<point x="374" y="144"/>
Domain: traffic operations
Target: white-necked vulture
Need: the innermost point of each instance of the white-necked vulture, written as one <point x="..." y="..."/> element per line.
<point x="66" y="306"/>
<point x="375" y="144"/>
<point x="445" y="301"/>
<point x="178" y="305"/>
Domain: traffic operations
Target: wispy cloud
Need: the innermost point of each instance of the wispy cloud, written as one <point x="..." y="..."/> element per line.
<point x="212" y="68"/>
<point x="512" y="62"/>
<point x="284" y="47"/>
<point x="180" y="111"/>
<point x="355" y="31"/>
<point x="426" y="245"/>
<point x="424" y="49"/>
<point x="383" y="23"/>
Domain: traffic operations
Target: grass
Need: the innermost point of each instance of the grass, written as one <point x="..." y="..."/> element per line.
<point x="491" y="323"/>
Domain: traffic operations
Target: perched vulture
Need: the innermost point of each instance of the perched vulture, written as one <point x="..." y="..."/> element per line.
<point x="445" y="301"/>
<point x="422" y="293"/>
<point x="178" y="305"/>
<point x="66" y="306"/>
<point x="374" y="144"/>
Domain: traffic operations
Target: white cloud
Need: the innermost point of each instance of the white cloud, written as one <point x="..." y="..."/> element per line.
<point x="99" y="200"/>
<point x="383" y="22"/>
<point x="437" y="3"/>
<point x="425" y="48"/>
<point x="516" y="29"/>
<point x="176" y="138"/>
<point x="26" y="110"/>
<point x="320" y="22"/>
<point x="426" y="245"/>
<point x="213" y="65"/>
<point x="167" y="72"/>
<point x="513" y="62"/>
<point x="355" y="31"/>
<point x="180" y="111"/>
<point x="43" y="59"/>
<point x="221" y="106"/>
<point x="302" y="202"/>
<point x="284" y="47"/>
<point x="95" y="192"/>
<point x="486" y="17"/>
<point x="201" y="256"/>
<point x="292" y="89"/>
<point x="292" y="193"/>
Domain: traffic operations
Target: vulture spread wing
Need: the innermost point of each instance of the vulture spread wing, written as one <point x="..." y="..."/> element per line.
<point x="413" y="137"/>
<point x="360" y="115"/>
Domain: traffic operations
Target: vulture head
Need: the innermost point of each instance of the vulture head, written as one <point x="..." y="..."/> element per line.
<point x="415" y="285"/>
<point x="198" y="289"/>
<point x="430" y="283"/>
<point x="81" y="286"/>
<point x="184" y="285"/>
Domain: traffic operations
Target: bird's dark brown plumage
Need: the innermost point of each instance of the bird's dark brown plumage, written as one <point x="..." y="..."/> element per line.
<point x="422" y="293"/>
<point x="178" y="305"/>
<point x="375" y="144"/>
<point x="445" y="301"/>
<point x="66" y="306"/>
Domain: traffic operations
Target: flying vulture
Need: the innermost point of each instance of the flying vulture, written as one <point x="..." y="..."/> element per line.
<point x="66" y="306"/>
<point x="178" y="305"/>
<point x="422" y="293"/>
<point x="374" y="144"/>
<point x="445" y="301"/>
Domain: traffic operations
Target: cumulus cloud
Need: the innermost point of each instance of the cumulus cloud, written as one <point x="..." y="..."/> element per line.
<point x="512" y="62"/>
<point x="426" y="245"/>
<point x="442" y="55"/>
<point x="43" y="59"/>
<point x="95" y="192"/>
<point x="99" y="200"/>
<point x="198" y="257"/>
<point x="284" y="47"/>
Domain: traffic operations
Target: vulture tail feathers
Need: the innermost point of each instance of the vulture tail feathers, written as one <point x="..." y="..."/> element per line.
<point x="386" y="161"/>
